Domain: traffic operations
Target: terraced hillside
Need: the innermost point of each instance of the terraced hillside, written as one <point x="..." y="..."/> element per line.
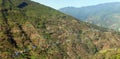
<point x="29" y="30"/>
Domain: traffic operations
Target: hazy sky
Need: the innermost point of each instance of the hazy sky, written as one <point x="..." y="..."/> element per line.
<point x="75" y="3"/>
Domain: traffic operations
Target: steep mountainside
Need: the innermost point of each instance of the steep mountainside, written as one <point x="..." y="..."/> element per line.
<point x="106" y="15"/>
<point x="29" y="30"/>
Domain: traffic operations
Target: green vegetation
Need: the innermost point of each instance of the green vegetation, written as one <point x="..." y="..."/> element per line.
<point x="36" y="31"/>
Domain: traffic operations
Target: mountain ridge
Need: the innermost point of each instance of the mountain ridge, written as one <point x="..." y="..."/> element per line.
<point x="101" y="14"/>
<point x="108" y="3"/>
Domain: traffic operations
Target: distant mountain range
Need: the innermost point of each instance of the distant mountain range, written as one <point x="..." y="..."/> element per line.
<point x="106" y="15"/>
